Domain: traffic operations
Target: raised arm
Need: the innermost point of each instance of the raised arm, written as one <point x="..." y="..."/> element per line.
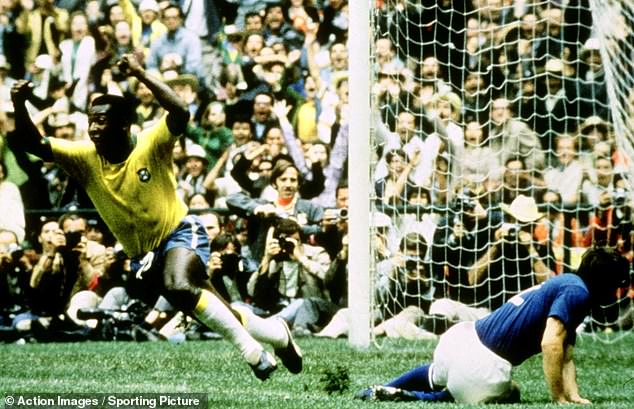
<point x="177" y="112"/>
<point x="281" y="110"/>
<point x="339" y="154"/>
<point x="27" y="137"/>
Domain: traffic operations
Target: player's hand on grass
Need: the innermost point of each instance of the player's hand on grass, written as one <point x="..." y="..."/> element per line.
<point x="579" y="400"/>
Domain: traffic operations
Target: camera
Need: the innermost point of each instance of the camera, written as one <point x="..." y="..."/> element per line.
<point x="465" y="201"/>
<point x="119" y="253"/>
<point x="512" y="233"/>
<point x="15" y="251"/>
<point x="230" y="262"/>
<point x="73" y="238"/>
<point x="286" y="247"/>
<point x="116" y="73"/>
<point x="411" y="264"/>
<point x="620" y="197"/>
<point x="342" y="214"/>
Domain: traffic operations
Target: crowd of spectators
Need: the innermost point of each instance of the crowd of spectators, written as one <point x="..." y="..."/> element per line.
<point x="496" y="109"/>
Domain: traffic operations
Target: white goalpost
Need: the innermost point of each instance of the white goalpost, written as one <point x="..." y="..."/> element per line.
<point x="359" y="175"/>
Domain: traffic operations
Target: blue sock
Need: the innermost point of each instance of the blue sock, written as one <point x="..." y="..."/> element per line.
<point x="439" y="396"/>
<point x="417" y="379"/>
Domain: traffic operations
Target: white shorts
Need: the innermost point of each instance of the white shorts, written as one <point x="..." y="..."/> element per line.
<point x="471" y="372"/>
<point x="457" y="311"/>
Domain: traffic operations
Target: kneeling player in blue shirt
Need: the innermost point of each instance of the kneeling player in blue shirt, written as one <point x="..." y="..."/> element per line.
<point x="473" y="361"/>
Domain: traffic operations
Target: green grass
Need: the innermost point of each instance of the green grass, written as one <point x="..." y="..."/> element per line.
<point x="605" y="372"/>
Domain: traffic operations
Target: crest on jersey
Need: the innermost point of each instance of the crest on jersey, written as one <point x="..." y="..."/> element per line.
<point x="144" y="175"/>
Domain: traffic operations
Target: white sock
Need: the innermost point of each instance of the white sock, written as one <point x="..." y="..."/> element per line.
<point x="269" y="330"/>
<point x="214" y="313"/>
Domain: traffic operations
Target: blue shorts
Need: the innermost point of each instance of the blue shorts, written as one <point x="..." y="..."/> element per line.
<point x="190" y="234"/>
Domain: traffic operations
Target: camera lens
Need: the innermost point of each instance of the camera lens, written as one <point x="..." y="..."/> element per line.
<point x="411" y="265"/>
<point x="343" y="214"/>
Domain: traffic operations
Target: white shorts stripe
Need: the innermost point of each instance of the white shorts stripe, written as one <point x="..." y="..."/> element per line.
<point x="193" y="225"/>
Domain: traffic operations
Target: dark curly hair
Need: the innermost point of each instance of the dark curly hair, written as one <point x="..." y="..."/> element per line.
<point x="603" y="270"/>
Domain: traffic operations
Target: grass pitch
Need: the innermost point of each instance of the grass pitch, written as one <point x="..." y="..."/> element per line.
<point x="605" y="372"/>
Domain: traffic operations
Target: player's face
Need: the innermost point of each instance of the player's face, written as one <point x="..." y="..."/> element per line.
<point x="287" y="183"/>
<point x="105" y="129"/>
<point x="99" y="120"/>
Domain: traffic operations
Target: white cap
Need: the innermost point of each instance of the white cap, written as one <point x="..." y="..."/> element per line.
<point x="149" y="5"/>
<point x="196" y="151"/>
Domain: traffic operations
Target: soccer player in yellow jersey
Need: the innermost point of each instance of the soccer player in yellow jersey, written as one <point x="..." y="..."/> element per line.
<point x="130" y="181"/>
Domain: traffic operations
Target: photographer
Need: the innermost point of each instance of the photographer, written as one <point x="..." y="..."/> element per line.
<point x="64" y="277"/>
<point x="262" y="214"/>
<point x="405" y="279"/>
<point x="15" y="270"/>
<point x="462" y="237"/>
<point x="334" y="239"/>
<point x="226" y="267"/>
<point x="292" y="274"/>
<point x="611" y="224"/>
<point x="514" y="261"/>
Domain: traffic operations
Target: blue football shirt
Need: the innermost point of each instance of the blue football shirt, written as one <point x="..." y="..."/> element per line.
<point x="515" y="330"/>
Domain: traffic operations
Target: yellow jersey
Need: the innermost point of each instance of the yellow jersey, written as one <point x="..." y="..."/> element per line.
<point x="136" y="198"/>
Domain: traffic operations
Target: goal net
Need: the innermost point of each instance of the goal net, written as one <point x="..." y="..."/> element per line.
<point x="502" y="150"/>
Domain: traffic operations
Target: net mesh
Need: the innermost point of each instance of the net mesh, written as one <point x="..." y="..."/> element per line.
<point x="503" y="140"/>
